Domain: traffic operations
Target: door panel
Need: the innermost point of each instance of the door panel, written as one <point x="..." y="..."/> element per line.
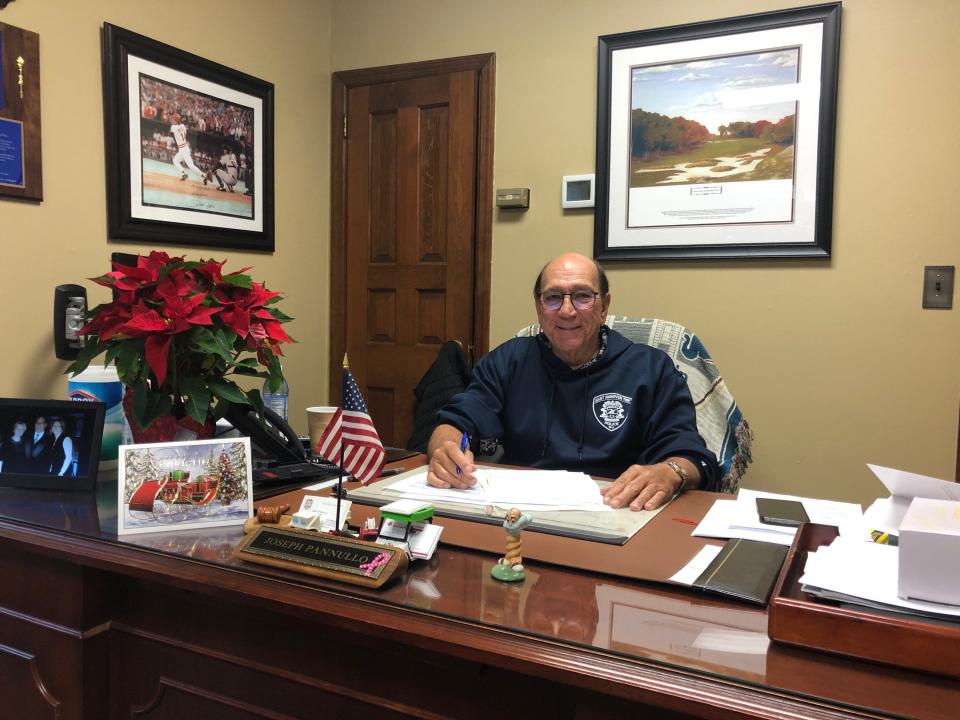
<point x="411" y="230"/>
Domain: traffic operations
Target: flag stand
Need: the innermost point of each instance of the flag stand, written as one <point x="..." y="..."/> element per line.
<point x="337" y="529"/>
<point x="362" y="454"/>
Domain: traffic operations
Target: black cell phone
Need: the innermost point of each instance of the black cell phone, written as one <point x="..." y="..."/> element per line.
<point x="788" y="513"/>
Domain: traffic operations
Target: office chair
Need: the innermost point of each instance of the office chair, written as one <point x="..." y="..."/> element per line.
<point x="446" y="376"/>
<point x="719" y="421"/>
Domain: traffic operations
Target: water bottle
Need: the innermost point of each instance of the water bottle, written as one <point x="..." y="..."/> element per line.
<point x="277" y="401"/>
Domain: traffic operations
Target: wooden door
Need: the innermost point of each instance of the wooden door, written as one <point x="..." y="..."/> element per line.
<point x="412" y="179"/>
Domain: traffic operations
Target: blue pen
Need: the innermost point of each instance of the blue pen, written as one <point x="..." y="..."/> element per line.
<point x="464" y="442"/>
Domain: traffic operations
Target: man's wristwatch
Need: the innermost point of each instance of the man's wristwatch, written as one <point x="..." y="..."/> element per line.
<point x="678" y="469"/>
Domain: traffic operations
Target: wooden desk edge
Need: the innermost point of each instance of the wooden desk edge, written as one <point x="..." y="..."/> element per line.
<point x="631" y="679"/>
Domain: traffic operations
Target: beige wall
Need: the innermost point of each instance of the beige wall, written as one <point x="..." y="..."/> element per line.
<point x="834" y="363"/>
<point x="64" y="238"/>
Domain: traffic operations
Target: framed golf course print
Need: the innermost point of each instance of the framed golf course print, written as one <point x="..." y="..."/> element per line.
<point x="715" y="140"/>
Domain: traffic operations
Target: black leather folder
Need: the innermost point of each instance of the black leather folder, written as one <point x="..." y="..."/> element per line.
<point x="744" y="569"/>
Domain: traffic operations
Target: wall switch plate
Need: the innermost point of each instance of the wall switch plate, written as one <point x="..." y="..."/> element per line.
<point x="938" y="286"/>
<point x="513" y="198"/>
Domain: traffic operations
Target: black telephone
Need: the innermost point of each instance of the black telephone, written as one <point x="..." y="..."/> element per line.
<point x="277" y="442"/>
<point x="280" y="462"/>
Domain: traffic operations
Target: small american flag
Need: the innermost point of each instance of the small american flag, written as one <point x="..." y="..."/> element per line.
<point x="363" y="454"/>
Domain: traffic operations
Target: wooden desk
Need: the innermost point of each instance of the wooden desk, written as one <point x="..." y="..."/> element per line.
<point x="171" y="626"/>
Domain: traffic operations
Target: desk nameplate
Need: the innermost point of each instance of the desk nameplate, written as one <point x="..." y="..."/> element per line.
<point x="339" y="558"/>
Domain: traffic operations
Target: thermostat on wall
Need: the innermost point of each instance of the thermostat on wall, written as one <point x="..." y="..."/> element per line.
<point x="577" y="191"/>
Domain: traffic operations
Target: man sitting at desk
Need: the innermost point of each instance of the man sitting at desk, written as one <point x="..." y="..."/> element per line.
<point x="579" y="397"/>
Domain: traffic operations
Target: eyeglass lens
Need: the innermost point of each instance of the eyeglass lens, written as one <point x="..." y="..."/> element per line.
<point x="581" y="299"/>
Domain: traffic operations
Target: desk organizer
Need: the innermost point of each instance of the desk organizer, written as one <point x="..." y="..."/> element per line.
<point x="800" y="619"/>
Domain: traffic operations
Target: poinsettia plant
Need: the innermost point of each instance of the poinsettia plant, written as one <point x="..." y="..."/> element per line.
<point x="178" y="329"/>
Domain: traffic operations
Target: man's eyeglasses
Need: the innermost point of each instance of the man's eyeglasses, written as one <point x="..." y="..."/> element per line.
<point x="581" y="299"/>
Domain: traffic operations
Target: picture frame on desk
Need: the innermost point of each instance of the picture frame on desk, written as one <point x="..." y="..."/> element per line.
<point x="50" y="444"/>
<point x="715" y="140"/>
<point x="189" y="147"/>
<point x="21" y="162"/>
<point x="184" y="485"/>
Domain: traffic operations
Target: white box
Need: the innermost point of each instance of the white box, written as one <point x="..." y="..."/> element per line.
<point x="929" y="568"/>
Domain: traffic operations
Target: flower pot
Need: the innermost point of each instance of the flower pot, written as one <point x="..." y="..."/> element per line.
<point x="166" y="428"/>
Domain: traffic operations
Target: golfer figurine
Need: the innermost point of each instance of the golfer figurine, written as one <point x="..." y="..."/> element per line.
<point x="510" y="567"/>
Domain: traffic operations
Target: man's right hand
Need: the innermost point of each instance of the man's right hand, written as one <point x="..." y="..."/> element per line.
<point x="449" y="466"/>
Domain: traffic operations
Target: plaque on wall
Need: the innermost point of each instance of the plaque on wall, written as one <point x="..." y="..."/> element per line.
<point x="20" y="157"/>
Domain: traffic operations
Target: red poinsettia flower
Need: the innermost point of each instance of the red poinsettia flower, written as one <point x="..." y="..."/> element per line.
<point x="162" y="298"/>
<point x="244" y="311"/>
<point x="130" y="281"/>
<point x="126" y="278"/>
<point x="107" y="322"/>
<point x="177" y="315"/>
<point x="205" y="276"/>
<point x="237" y="319"/>
<point x="157" y="261"/>
<point x="262" y="318"/>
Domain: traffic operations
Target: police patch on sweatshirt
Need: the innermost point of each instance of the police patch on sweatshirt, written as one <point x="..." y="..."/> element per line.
<point x="610" y="410"/>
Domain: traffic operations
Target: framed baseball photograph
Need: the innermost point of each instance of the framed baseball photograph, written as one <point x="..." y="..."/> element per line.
<point x="715" y="140"/>
<point x="189" y="146"/>
<point x="184" y="486"/>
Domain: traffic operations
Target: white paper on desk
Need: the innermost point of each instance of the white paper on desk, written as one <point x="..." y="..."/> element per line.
<point x="535" y="490"/>
<point x="416" y="487"/>
<point x="693" y="569"/>
<point x="884" y="514"/>
<point x="515" y="488"/>
<point x="851" y="570"/>
<point x="887" y="513"/>
<point x="823" y="512"/>
<point x="729" y="519"/>
<point x="739" y="518"/>
<point x="322" y="485"/>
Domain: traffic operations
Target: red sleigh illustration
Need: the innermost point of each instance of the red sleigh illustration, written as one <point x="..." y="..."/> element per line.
<point x="175" y="488"/>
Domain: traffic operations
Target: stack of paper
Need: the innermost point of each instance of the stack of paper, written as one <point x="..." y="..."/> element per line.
<point x="738" y="518"/>
<point x="864" y="573"/>
<point x="534" y="490"/>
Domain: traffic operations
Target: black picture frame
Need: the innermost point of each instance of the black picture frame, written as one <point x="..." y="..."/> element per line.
<point x="147" y="85"/>
<point x="81" y="421"/>
<point x="649" y="209"/>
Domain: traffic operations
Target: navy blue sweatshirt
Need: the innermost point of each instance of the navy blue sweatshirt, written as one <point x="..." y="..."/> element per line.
<point x="630" y="406"/>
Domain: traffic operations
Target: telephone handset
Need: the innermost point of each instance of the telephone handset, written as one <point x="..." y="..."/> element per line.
<point x="276" y="441"/>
